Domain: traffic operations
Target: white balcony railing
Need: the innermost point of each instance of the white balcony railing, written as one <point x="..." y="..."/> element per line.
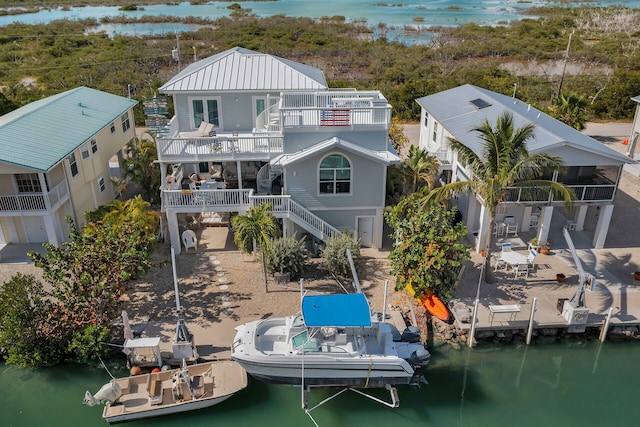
<point x="584" y="193"/>
<point x="16" y="203"/>
<point x="232" y="200"/>
<point x="331" y="109"/>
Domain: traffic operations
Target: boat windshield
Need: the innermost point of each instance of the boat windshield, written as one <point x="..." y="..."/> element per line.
<point x="302" y="339"/>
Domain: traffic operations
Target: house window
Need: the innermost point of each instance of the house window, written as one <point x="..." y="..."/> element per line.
<point x="126" y="124"/>
<point x="101" y="184"/>
<point x="113" y="127"/>
<point x="335" y="175"/>
<point x="426" y="119"/>
<point x="28" y="183"/>
<point x="205" y="110"/>
<point x="89" y="149"/>
<point x="73" y="165"/>
<point x="435" y="131"/>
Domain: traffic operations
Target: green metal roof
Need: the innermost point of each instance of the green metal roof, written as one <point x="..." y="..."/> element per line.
<point x="42" y="133"/>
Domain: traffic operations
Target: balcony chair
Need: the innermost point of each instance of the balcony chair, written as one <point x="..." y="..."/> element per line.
<point x="189" y="240"/>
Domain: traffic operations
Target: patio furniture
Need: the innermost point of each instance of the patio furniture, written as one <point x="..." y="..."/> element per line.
<point x="506" y="247"/>
<point x="571" y="225"/>
<point x="521" y="270"/>
<point x="189" y="240"/>
<point x="514" y="258"/>
<point x="510" y="226"/>
<point x="511" y="309"/>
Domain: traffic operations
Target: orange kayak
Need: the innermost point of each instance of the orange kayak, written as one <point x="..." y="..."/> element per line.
<point x="432" y="304"/>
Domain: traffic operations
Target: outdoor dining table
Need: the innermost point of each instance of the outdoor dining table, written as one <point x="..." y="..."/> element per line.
<point x="513" y="258"/>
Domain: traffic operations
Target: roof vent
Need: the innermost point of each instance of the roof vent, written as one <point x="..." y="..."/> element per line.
<point x="480" y="103"/>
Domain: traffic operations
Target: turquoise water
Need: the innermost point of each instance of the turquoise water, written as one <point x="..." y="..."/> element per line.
<point x="579" y="384"/>
<point x="393" y="14"/>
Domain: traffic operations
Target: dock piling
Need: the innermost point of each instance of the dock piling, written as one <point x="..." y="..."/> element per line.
<point x="530" y="329"/>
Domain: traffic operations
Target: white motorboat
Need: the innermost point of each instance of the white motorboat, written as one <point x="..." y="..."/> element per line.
<point x="170" y="391"/>
<point x="334" y="342"/>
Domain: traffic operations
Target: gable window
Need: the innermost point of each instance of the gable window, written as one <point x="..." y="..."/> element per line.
<point x="126" y="124"/>
<point x="426" y="119"/>
<point x="101" y="184"/>
<point x="112" y="127"/>
<point x="435" y="131"/>
<point x="94" y="146"/>
<point x="29" y="183"/>
<point x="206" y="110"/>
<point x="73" y="165"/>
<point x="335" y="175"/>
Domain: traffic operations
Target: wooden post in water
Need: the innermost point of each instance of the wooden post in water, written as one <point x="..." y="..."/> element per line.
<point x="605" y="328"/>
<point x="530" y="330"/>
<point x="473" y="323"/>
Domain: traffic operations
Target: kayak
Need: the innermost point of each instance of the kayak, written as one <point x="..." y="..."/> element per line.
<point x="432" y="304"/>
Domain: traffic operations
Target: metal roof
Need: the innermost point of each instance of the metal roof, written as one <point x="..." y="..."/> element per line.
<point x="383" y="157"/>
<point x="41" y="134"/>
<point x="456" y="112"/>
<point x="239" y="69"/>
<point x="336" y="310"/>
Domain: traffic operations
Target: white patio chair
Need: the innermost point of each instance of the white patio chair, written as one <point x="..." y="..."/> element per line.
<point x="531" y="266"/>
<point x="534" y="220"/>
<point x="189" y="240"/>
<point x="506" y="247"/>
<point x="498" y="263"/>
<point x="510" y="226"/>
<point x="521" y="270"/>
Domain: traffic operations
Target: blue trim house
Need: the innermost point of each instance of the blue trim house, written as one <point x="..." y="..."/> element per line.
<point x="252" y="128"/>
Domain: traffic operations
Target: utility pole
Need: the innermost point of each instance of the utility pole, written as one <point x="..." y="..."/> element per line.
<point x="175" y="53"/>
<point x="564" y="67"/>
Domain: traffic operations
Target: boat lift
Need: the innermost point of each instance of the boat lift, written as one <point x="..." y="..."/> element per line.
<point x="305" y="389"/>
<point x="575" y="310"/>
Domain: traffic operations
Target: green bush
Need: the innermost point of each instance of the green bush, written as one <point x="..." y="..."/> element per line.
<point x="88" y="343"/>
<point x="287" y="255"/>
<point x="334" y="255"/>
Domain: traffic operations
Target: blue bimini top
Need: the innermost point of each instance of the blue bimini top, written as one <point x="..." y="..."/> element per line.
<point x="338" y="310"/>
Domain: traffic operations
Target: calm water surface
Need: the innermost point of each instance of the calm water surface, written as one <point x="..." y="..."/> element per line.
<point x="414" y="13"/>
<point x="579" y="384"/>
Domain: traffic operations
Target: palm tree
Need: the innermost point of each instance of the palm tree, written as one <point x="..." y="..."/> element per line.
<point x="140" y="165"/>
<point x="571" y="109"/>
<point x="419" y="169"/>
<point x="503" y="162"/>
<point x="257" y="228"/>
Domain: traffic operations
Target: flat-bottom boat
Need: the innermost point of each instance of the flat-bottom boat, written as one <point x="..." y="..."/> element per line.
<point x="169" y="391"/>
<point x="334" y="342"/>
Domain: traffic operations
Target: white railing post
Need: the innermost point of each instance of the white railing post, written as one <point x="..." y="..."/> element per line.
<point x="530" y="329"/>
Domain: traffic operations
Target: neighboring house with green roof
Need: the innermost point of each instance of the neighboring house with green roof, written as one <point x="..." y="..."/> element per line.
<point x="54" y="161"/>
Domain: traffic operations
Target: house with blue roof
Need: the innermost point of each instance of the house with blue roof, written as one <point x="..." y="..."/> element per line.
<point x="54" y="162"/>
<point x="593" y="170"/>
<point x="251" y="128"/>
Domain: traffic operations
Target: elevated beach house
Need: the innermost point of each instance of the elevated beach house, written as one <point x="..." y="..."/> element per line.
<point x="54" y="162"/>
<point x="593" y="169"/>
<point x="251" y="128"/>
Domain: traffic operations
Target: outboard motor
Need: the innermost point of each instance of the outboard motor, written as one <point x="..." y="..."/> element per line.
<point x="420" y="358"/>
<point x="411" y="334"/>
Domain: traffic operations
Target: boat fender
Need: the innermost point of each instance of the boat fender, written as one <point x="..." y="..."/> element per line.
<point x="411" y="334"/>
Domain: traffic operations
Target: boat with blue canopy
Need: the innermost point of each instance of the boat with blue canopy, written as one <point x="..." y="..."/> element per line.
<point x="335" y="341"/>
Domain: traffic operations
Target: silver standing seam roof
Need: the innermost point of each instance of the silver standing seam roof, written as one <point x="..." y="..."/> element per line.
<point x="240" y="69"/>
<point x="465" y="107"/>
<point x="41" y="134"/>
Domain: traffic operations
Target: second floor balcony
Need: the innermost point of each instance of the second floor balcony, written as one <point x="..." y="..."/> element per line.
<point x="20" y="203"/>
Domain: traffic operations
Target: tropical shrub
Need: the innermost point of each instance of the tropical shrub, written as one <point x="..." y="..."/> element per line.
<point x="287" y="255"/>
<point x="334" y="254"/>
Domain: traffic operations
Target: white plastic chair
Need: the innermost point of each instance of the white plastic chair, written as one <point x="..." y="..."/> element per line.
<point x="510" y="226"/>
<point x="189" y="240"/>
<point x="521" y="270"/>
<point x="506" y="247"/>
